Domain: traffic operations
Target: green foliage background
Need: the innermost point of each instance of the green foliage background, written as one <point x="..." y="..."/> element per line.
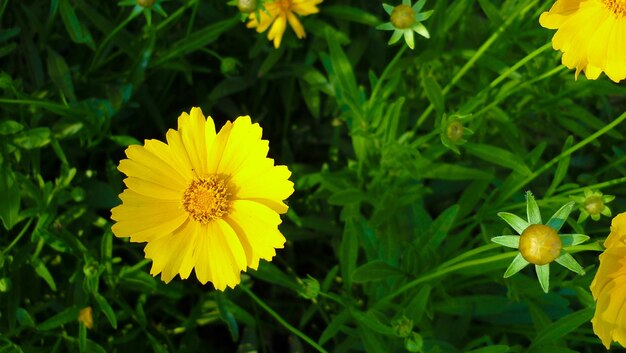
<point x="386" y="219"/>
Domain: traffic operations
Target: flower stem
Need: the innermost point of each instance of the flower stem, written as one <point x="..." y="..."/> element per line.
<point x="282" y="321"/>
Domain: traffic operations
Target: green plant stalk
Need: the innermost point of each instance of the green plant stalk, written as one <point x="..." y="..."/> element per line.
<point x="176" y="14"/>
<point x="96" y="57"/>
<point x="282" y="321"/>
<point x="510" y="192"/>
<point x="596" y="186"/>
<point x="477" y="55"/>
<point x="385" y="73"/>
<point x="17" y="238"/>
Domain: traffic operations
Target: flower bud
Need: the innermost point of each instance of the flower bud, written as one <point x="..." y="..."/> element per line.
<point x="145" y="3"/>
<point x="455" y="130"/>
<point x="402" y="16"/>
<point x="402" y="326"/>
<point x="86" y="317"/>
<point x="594" y="205"/>
<point x="246" y="6"/>
<point x="539" y="244"/>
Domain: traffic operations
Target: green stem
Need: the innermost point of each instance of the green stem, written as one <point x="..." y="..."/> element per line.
<point x="282" y="321"/>
<point x="477" y="55"/>
<point x="17" y="238"/>
<point x="385" y="73"/>
<point x="176" y="14"/>
<point x="596" y="186"/>
<point x="511" y="191"/>
<point x="443" y="270"/>
<point x="107" y="39"/>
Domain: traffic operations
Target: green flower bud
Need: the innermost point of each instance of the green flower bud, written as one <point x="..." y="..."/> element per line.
<point x="402" y="16"/>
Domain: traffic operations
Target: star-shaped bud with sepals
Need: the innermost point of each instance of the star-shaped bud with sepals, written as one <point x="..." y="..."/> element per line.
<point x="540" y="244"/>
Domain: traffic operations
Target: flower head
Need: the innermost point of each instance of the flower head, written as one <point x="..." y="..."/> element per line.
<point x="609" y="287"/>
<point x="277" y="13"/>
<point x="540" y="244"/>
<point x="144" y="6"/>
<point x="593" y="203"/>
<point x="204" y="201"/>
<point x="405" y="19"/>
<point x="590" y="35"/>
<point x="453" y="131"/>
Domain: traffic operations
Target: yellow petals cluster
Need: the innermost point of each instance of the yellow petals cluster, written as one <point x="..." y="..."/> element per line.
<point x="205" y="201"/>
<point x="609" y="287"/>
<point x="278" y="13"/>
<point x="591" y="34"/>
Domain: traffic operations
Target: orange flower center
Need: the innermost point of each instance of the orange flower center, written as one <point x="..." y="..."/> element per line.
<point x="284" y="5"/>
<point x="207" y="198"/>
<point x="402" y="16"/>
<point x="618" y="7"/>
<point x="539" y="244"/>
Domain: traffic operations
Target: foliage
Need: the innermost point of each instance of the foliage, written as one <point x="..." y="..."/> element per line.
<point x="389" y="229"/>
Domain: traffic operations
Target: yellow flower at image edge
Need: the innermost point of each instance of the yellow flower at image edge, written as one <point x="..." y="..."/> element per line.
<point x="609" y="287"/>
<point x="591" y="35"/>
<point x="204" y="201"/>
<point x="277" y="13"/>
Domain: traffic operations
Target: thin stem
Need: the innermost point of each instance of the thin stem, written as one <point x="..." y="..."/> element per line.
<point x="468" y="65"/>
<point x="385" y="73"/>
<point x="511" y="191"/>
<point x="282" y="321"/>
<point x="17" y="238"/>
<point x="597" y="186"/>
<point x="105" y="42"/>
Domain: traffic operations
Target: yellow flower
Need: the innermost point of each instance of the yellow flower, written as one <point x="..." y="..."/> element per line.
<point x="204" y="201"/>
<point x="609" y="287"/>
<point x="591" y="35"/>
<point x="277" y="13"/>
<point x="85" y="315"/>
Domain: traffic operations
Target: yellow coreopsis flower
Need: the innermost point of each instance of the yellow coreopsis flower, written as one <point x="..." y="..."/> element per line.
<point x="277" y="13"/>
<point x="609" y="287"/>
<point x="204" y="200"/>
<point x="591" y="35"/>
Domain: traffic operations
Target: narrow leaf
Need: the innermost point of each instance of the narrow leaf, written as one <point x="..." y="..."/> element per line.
<point x="516" y="222"/>
<point x="563" y="326"/>
<point x="516" y="265"/>
<point x="42" y="271"/>
<point x="374" y="271"/>
<point x="543" y="274"/>
<point x="532" y="209"/>
<point x="106" y="309"/>
<point x="65" y="316"/>
<point x="498" y="156"/>
<point x="510" y="241"/>
<point x="10" y="200"/>
<point x="566" y="260"/>
<point x="433" y="93"/>
<point x="573" y="239"/>
<point x="559" y="217"/>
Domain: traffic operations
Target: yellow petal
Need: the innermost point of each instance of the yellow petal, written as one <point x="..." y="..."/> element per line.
<point x="277" y="30"/>
<point x="242" y="146"/>
<point x="296" y="25"/>
<point x="305" y="7"/>
<point x="256" y="227"/>
<point x="193" y="129"/>
<point x="269" y="186"/>
<point x="172" y="254"/>
<point x="150" y="189"/>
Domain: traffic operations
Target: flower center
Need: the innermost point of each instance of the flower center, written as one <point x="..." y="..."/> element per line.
<point x="594" y="205"/>
<point x="284" y="5"/>
<point x="618" y="7"/>
<point x="539" y="244"/>
<point x="402" y="16"/>
<point x="207" y="198"/>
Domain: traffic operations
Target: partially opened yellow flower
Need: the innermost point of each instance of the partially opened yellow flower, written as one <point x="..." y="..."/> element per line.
<point x="609" y="287"/>
<point x="591" y="34"/>
<point x="204" y="201"/>
<point x="277" y="13"/>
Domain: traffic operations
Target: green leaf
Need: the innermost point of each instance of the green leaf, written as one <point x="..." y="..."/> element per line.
<point x="510" y="241"/>
<point x="516" y="222"/>
<point x="42" y="271"/>
<point x="543" y="274"/>
<point x="346" y="197"/>
<point x="82" y="337"/>
<point x="60" y="74"/>
<point x="532" y="209"/>
<point x="334" y="326"/>
<point x="562" y="327"/>
<point x="416" y="307"/>
<point x="269" y="273"/>
<point x="516" y="265"/>
<point x="227" y="317"/>
<point x="34" y="138"/>
<point x="65" y="316"/>
<point x="568" y="261"/>
<point x="498" y="156"/>
<point x="491" y="11"/>
<point x="491" y="349"/>
<point x="77" y="30"/>
<point x="374" y="271"/>
<point x="24" y="318"/>
<point x="11" y="199"/>
<point x="442" y="171"/>
<point x="103" y="304"/>
<point x="370" y="321"/>
<point x="352" y="14"/>
<point x="573" y="239"/>
<point x="559" y="217"/>
<point x="434" y="93"/>
<point x="124" y="140"/>
<point x="561" y="167"/>
<point x="8" y="127"/>
<point x="348" y="250"/>
<point x="441" y="226"/>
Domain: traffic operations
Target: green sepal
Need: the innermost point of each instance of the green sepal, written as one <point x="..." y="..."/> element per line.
<point x="510" y="241"/>
<point x="388" y="8"/>
<point x="532" y="209"/>
<point x="566" y="260"/>
<point x="558" y="218"/>
<point x="516" y="265"/>
<point x="573" y="239"/>
<point x="516" y="222"/>
<point x="543" y="274"/>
